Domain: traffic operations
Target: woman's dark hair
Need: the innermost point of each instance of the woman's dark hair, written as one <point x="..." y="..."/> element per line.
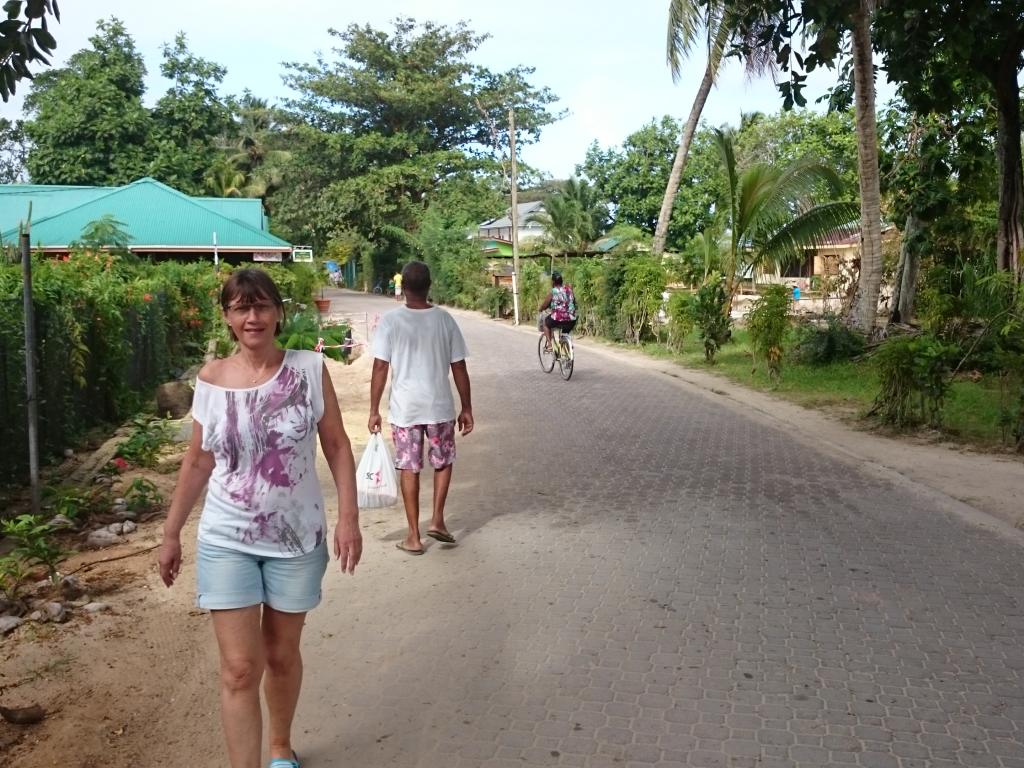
<point x="247" y="286"/>
<point x="556" y="278"/>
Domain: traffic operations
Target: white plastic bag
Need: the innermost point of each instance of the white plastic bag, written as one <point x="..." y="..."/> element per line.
<point x="376" y="479"/>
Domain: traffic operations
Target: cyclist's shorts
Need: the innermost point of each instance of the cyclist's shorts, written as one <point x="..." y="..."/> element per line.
<point x="409" y="445"/>
<point x="562" y="325"/>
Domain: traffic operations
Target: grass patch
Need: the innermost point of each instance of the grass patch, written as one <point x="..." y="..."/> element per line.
<point x="847" y="389"/>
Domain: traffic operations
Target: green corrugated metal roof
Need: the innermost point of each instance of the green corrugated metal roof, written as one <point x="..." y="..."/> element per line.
<point x="46" y="201"/>
<point x="248" y="210"/>
<point x="153" y="214"/>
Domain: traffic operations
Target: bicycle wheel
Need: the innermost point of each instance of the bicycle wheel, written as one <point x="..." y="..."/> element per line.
<point x="565" y="361"/>
<point x="547" y="359"/>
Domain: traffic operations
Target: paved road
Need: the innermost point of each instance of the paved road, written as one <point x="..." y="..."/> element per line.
<point x="646" y="577"/>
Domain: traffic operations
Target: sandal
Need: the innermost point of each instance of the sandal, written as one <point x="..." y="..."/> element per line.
<point x="284" y="762"/>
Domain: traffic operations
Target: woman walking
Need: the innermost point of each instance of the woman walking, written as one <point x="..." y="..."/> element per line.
<point x="262" y="548"/>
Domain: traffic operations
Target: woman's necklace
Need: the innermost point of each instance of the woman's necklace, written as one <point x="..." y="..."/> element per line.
<point x="257" y="373"/>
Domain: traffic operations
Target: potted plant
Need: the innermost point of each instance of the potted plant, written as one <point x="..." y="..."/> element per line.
<point x="322" y="304"/>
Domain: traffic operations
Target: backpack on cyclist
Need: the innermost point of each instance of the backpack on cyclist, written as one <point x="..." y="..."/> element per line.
<point x="570" y="300"/>
<point x="567" y="311"/>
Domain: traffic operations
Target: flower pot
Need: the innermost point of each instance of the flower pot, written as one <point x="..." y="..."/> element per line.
<point x="323" y="305"/>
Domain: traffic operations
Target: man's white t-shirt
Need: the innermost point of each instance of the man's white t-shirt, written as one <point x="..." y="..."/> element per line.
<point x="420" y="345"/>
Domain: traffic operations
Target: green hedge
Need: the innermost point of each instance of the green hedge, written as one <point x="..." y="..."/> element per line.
<point x="108" y="331"/>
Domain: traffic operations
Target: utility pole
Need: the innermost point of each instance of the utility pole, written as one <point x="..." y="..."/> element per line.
<point x="514" y="216"/>
<point x="31" y="389"/>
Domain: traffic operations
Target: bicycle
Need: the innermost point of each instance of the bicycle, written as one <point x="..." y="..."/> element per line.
<point x="561" y="352"/>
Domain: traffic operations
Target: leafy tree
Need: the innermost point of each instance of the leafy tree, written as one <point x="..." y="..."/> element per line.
<point x="86" y="121"/>
<point x="633" y="178"/>
<point x="24" y="40"/>
<point x="376" y="131"/>
<point x="188" y="118"/>
<point x="773" y="212"/>
<point x="936" y="51"/>
<point x="387" y="84"/>
<point x="14" y="150"/>
<point x="940" y="182"/>
<point x="791" y="135"/>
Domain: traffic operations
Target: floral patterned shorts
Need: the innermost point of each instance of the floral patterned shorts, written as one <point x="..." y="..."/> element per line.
<point x="409" y="445"/>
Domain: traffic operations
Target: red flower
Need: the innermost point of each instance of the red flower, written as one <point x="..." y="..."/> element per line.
<point x="120" y="464"/>
<point x="147" y="297"/>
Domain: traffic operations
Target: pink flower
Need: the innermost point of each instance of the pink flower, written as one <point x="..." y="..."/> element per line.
<point x="120" y="464"/>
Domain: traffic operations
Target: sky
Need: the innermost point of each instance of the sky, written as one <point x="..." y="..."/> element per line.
<point x="605" y="61"/>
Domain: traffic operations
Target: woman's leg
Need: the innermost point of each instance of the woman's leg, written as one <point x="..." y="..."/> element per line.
<point x="281" y="635"/>
<point x="241" y="667"/>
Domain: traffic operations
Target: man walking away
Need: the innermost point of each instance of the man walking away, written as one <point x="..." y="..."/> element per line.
<point x="420" y="343"/>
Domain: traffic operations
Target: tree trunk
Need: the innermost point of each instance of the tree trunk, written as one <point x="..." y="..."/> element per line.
<point x="1009" y="234"/>
<point x="865" y="307"/>
<point x="905" y="280"/>
<point x="665" y="216"/>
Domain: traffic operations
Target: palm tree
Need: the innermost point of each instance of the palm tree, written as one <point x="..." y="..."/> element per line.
<point x="686" y="19"/>
<point x="865" y="309"/>
<point x="773" y="214"/>
<point x="573" y="217"/>
<point x="223" y="179"/>
<point x="250" y="147"/>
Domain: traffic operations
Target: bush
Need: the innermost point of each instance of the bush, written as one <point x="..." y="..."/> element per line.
<point x="534" y="283"/>
<point x="147" y="438"/>
<point x="34" y="543"/>
<point x="613" y="276"/>
<point x="639" y="298"/>
<point x="496" y="301"/>
<point x="821" y="345"/>
<point x="710" y="315"/>
<point x="143" y="496"/>
<point x="303" y="331"/>
<point x="768" y="323"/>
<point x="680" y="318"/>
<point x="915" y="379"/>
<point x="586" y="276"/>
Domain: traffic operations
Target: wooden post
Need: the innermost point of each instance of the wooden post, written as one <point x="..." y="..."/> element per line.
<point x="514" y="217"/>
<point x="31" y="401"/>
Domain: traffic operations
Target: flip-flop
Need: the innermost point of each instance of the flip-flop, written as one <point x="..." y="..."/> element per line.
<point x="444" y="538"/>
<point x="284" y="762"/>
<point x="408" y="551"/>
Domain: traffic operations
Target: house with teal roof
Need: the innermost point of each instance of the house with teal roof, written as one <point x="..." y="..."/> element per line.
<point x="161" y="222"/>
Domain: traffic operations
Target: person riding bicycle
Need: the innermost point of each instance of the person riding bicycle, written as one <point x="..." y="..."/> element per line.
<point x="561" y="301"/>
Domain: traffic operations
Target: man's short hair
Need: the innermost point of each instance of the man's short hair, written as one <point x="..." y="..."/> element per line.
<point x="416" y="278"/>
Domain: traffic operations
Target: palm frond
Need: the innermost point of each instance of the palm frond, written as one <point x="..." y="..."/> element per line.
<point x="807" y="230"/>
<point x="758" y="187"/>
<point x="685" y="21"/>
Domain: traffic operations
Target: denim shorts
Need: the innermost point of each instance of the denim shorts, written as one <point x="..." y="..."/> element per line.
<point x="227" y="578"/>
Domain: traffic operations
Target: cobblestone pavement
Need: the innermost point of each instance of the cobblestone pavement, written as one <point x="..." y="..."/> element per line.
<point x="646" y="577"/>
